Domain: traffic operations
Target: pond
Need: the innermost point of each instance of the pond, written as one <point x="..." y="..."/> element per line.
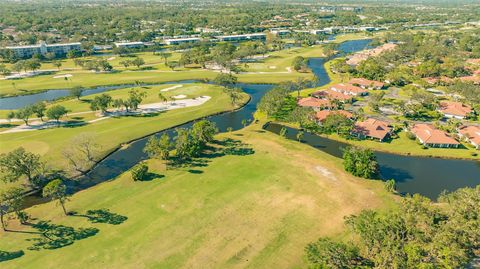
<point x="21" y="101"/>
<point x="423" y="175"/>
<point x="414" y="174"/>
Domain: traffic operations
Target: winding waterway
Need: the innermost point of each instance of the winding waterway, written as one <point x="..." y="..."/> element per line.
<point x="427" y="176"/>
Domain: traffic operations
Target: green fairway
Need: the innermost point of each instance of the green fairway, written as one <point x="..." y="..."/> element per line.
<point x="89" y="79"/>
<point x="253" y="207"/>
<point x="112" y="132"/>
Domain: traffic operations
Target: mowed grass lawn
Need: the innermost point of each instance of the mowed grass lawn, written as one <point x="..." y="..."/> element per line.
<point x="152" y="96"/>
<point x="89" y="79"/>
<point x="404" y="145"/>
<point x="112" y="132"/>
<point x="279" y="61"/>
<point x="253" y="210"/>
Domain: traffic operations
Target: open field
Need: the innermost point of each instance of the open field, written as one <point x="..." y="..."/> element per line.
<point x="112" y="132"/>
<point x="249" y="208"/>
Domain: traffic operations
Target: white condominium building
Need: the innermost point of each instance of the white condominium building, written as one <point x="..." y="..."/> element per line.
<point x="44" y="48"/>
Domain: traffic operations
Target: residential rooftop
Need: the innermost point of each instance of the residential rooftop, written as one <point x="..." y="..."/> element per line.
<point x="372" y="128"/>
<point x="428" y="134"/>
<point x="323" y="114"/>
<point x="455" y="108"/>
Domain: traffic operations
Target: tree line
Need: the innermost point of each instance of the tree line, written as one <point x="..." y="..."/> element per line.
<point x="419" y="234"/>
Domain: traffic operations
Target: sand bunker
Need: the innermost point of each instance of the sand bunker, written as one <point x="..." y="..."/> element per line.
<point x="180" y="96"/>
<point x="63" y="76"/>
<point x="142" y="109"/>
<point x="171" y="88"/>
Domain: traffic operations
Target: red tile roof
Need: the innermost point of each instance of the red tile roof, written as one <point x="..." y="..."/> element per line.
<point x="365" y="54"/>
<point x="323" y="114"/>
<point x="433" y="80"/>
<point x="474" y="79"/>
<point x="347" y="88"/>
<point x="330" y="94"/>
<point x="472" y="133"/>
<point x="473" y="61"/>
<point x="454" y="108"/>
<point x="313" y="102"/>
<point x="366" y="82"/>
<point x="372" y="128"/>
<point x="428" y="134"/>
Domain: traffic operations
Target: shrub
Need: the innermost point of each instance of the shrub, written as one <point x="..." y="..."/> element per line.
<point x="360" y="162"/>
<point x="139" y="171"/>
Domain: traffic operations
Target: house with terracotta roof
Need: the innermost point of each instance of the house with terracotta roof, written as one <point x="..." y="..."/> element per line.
<point x="430" y="136"/>
<point x="475" y="79"/>
<point x="372" y="128"/>
<point x="320" y="116"/>
<point x="314" y="103"/>
<point x="366" y="83"/>
<point x="349" y="89"/>
<point x="471" y="134"/>
<point x="434" y="80"/>
<point x="365" y="54"/>
<point x="332" y="95"/>
<point x="455" y="110"/>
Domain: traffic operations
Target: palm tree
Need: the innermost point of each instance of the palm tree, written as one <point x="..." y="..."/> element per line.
<point x="162" y="97"/>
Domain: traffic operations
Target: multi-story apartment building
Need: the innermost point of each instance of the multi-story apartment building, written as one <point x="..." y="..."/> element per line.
<point x="44" y="48"/>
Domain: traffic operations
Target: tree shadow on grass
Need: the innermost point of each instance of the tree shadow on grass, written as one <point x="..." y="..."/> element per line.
<point x="151" y="176"/>
<point x="7" y="255"/>
<point x="228" y="146"/>
<point x="55" y="236"/>
<point x="7" y="125"/>
<point x="194" y="162"/>
<point x="102" y="216"/>
<point x="217" y="148"/>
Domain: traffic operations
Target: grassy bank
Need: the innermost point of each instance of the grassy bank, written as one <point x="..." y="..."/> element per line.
<point x="250" y="207"/>
<point x="112" y="132"/>
<point x="405" y="146"/>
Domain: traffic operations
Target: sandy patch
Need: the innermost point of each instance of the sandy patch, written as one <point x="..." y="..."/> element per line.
<point x="171" y="88"/>
<point x="272" y="67"/>
<point x="325" y="172"/>
<point x="63" y="76"/>
<point x="111" y="59"/>
<point x="180" y="96"/>
<point x="142" y="109"/>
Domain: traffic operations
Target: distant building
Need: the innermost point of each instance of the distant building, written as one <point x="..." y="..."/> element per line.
<point x="372" y="128"/>
<point x="471" y="134"/>
<point x="430" y="136"/>
<point x="475" y="79"/>
<point x="455" y="110"/>
<point x="358" y="57"/>
<point x="349" y="89"/>
<point x="314" y="103"/>
<point x="102" y="47"/>
<point x="332" y="95"/>
<point x="129" y="45"/>
<point x="245" y="37"/>
<point x="44" y="48"/>
<point x="280" y="32"/>
<point x="320" y="116"/>
<point x="178" y="41"/>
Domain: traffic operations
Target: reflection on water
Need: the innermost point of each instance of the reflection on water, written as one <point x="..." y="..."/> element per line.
<point x="426" y="176"/>
<point x="413" y="174"/>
